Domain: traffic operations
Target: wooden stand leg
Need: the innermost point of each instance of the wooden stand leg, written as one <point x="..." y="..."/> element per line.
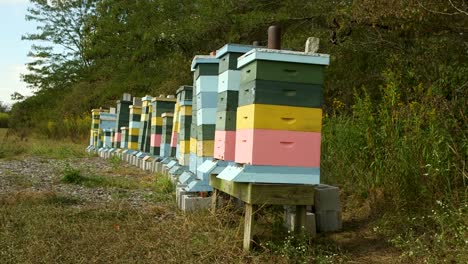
<point x="214" y="200"/>
<point x="248" y="226"/>
<point x="300" y="224"/>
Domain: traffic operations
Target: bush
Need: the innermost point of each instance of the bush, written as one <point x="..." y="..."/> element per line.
<point x="4" y="118"/>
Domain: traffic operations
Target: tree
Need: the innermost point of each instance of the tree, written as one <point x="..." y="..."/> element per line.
<point x="62" y="28"/>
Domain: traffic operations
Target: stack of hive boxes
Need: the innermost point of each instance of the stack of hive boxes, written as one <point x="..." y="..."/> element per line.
<point x="123" y="118"/>
<point x="145" y="124"/>
<point x="160" y="105"/>
<point x="134" y="125"/>
<point x="106" y="125"/>
<point x="204" y="101"/>
<point x="228" y="95"/>
<point x="165" y="149"/>
<point x="124" y="137"/>
<point x="96" y="135"/>
<point x="279" y="118"/>
<point x="184" y="121"/>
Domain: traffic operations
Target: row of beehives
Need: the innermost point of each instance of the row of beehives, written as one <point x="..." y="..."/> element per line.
<point x="252" y="115"/>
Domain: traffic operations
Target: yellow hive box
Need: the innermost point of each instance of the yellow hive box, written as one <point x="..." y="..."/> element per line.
<point x="184" y="146"/>
<point x="133" y="145"/>
<point x="175" y="126"/>
<point x="133" y="131"/>
<point x="205" y="148"/>
<point x="156" y="121"/>
<point x="193" y="145"/>
<point x="278" y="117"/>
<point x="186" y="110"/>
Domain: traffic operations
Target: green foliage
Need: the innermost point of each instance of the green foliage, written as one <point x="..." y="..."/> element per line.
<point x="4" y="117"/>
<point x="72" y="175"/>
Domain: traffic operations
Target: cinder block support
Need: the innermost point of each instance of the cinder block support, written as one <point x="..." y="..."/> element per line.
<point x="327" y="208"/>
<point x="191" y="203"/>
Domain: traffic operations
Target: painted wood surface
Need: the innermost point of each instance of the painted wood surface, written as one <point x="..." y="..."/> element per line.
<point x="228" y="61"/>
<point x="206" y="84"/>
<point x="271" y="174"/>
<point x="282" y="71"/>
<point x="206" y="116"/>
<point x="258" y="193"/>
<point x="278" y="117"/>
<point x="184" y="146"/>
<point x="281" y="93"/>
<point x="206" y="132"/>
<point x="206" y="69"/>
<point x="229" y="80"/>
<point x="155" y="140"/>
<point x="207" y="100"/>
<point x="284" y="56"/>
<point x="226" y="120"/>
<point x="225" y="145"/>
<point x="278" y="147"/>
<point x="205" y="148"/>
<point x="228" y="101"/>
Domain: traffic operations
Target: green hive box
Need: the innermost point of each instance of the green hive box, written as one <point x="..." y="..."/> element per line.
<point x="206" y="69"/>
<point x="228" y="61"/>
<point x="163" y="107"/>
<point x="185" y="93"/>
<point x="206" y="132"/>
<point x="185" y="121"/>
<point x="228" y="100"/>
<point x="281" y="93"/>
<point x="226" y="120"/>
<point x="282" y="71"/>
<point x="184" y="134"/>
<point x="156" y="130"/>
<point x="193" y="131"/>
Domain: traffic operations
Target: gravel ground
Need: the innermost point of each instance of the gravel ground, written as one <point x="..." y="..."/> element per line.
<point x="35" y="174"/>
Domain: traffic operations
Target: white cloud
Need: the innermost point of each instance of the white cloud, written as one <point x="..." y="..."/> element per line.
<point x="11" y="82"/>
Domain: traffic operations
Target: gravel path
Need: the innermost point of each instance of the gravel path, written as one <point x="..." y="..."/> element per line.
<point x="35" y="174"/>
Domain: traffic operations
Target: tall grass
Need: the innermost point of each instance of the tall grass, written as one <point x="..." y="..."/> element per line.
<point x="402" y="156"/>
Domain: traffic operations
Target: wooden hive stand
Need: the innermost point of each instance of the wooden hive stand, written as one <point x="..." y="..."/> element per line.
<point x="255" y="194"/>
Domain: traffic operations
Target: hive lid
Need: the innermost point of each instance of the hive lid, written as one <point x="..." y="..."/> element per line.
<point x="233" y="48"/>
<point x="202" y="59"/>
<point x="184" y="88"/>
<point x="284" y="56"/>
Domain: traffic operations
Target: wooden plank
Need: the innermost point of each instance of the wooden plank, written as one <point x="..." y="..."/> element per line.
<point x="300" y="223"/>
<point x="248" y="226"/>
<point x="214" y="200"/>
<point x="257" y="193"/>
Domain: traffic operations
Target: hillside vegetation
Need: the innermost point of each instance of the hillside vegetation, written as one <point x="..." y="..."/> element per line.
<point x="396" y="91"/>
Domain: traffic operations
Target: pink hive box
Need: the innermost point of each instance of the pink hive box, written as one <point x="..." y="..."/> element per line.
<point x="225" y="145"/>
<point x="174" y="139"/>
<point x="278" y="147"/>
<point x="155" y="140"/>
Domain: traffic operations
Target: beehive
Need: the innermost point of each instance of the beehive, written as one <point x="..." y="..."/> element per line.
<point x="144" y="135"/>
<point x="134" y="124"/>
<point x="279" y="118"/>
<point x="160" y="105"/>
<point x="123" y="118"/>
<point x="203" y="124"/>
<point x="227" y="100"/>
<point x="184" y="121"/>
<point x="165" y="149"/>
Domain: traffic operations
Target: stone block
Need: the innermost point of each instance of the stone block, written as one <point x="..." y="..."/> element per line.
<point x="193" y="203"/>
<point x="327" y="198"/>
<point x="328" y="220"/>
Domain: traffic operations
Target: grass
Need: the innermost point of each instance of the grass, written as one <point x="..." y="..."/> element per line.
<point x="14" y="147"/>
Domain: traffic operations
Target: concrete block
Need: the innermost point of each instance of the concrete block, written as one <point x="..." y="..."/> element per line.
<point x="193" y="203"/>
<point x="179" y="193"/>
<point x="328" y="221"/>
<point x="327" y="198"/>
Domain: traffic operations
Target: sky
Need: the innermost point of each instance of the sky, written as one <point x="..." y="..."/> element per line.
<point x="13" y="50"/>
